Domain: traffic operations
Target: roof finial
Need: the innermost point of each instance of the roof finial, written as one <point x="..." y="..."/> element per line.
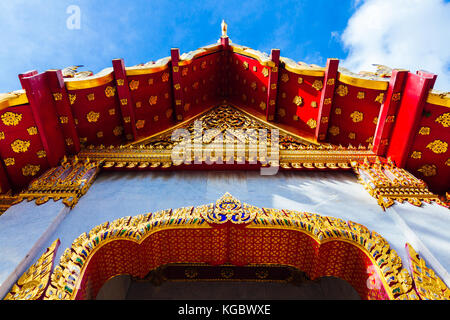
<point x="224" y="29"/>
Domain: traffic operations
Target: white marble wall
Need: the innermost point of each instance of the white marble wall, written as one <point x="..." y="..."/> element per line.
<point x="337" y="194"/>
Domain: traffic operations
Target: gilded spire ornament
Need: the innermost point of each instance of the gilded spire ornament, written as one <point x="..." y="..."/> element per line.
<point x="224" y="29"/>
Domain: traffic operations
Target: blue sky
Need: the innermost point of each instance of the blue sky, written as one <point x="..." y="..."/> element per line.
<point x="35" y="35"/>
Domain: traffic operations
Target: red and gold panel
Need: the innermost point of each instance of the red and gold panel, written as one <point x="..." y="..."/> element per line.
<point x="429" y="157"/>
<point x="248" y="82"/>
<point x="21" y="147"/>
<point x="152" y="102"/>
<point x="200" y="81"/>
<point x="97" y="114"/>
<point x="354" y="115"/>
<point x="298" y="100"/>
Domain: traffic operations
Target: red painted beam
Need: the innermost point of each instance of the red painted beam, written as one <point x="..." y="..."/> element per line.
<point x="410" y="111"/>
<point x="273" y="86"/>
<point x="176" y="85"/>
<point x="326" y="99"/>
<point x="388" y="112"/>
<point x="63" y="110"/>
<point x="44" y="113"/>
<point x="126" y="104"/>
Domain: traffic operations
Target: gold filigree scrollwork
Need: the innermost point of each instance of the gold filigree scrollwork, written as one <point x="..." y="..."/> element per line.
<point x="424" y="131"/>
<point x="380" y="98"/>
<point x="428" y="170"/>
<point x="11" y="118"/>
<point x="33" y="283"/>
<point x="427" y="284"/>
<point x="32" y="131"/>
<point x="388" y="183"/>
<point x="19" y="146"/>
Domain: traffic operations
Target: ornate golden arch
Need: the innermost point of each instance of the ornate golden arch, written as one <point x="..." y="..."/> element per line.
<point x="229" y="231"/>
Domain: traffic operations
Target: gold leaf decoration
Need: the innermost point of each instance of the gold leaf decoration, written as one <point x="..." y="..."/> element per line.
<point x="416" y="155"/>
<point x="10" y="161"/>
<point x="118" y="131"/>
<point x="11" y="118"/>
<point x="20" y="146"/>
<point x="2" y="135"/>
<point x="298" y="100"/>
<point x="140" y="124"/>
<point x="360" y="95"/>
<point x="314" y="104"/>
<point x="438" y="146"/>
<point x="330" y="82"/>
<point x="318" y="85"/>
<point x="285" y="77"/>
<point x="338" y="111"/>
<point x="312" y="123"/>
<point x="357" y="116"/>
<point x="42" y="153"/>
<point x="112" y="112"/>
<point x="334" y="130"/>
<point x="32" y="131"/>
<point x="342" y="90"/>
<point x="327" y="101"/>
<point x="100" y="134"/>
<point x="134" y="85"/>
<point x="396" y="96"/>
<point x="380" y="98"/>
<point x="63" y="119"/>
<point x="91" y="96"/>
<point x="57" y="96"/>
<point x="165" y="77"/>
<point x="30" y="170"/>
<point x="72" y="98"/>
<point x="152" y="100"/>
<point x="265" y="72"/>
<point x="92" y="116"/>
<point x="352" y="135"/>
<point x="120" y="82"/>
<point x="124" y="102"/>
<point x="444" y="119"/>
<point x="424" y="131"/>
<point x="428" y="170"/>
<point x="262" y="105"/>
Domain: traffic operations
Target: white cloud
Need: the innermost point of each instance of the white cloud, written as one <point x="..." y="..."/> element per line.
<point x="408" y="34"/>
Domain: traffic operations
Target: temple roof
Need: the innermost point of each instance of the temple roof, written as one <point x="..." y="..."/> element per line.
<point x="390" y="113"/>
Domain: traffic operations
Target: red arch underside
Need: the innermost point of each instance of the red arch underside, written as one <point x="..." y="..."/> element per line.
<point x="238" y="246"/>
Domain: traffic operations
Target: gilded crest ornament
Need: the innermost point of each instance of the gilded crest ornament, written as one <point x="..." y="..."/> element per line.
<point x="312" y="123"/>
<point x="30" y="170"/>
<point x="11" y="118"/>
<point x="265" y="72"/>
<point x="20" y="146"/>
<point x="342" y="90"/>
<point x="152" y="100"/>
<point x="357" y="116"/>
<point x="444" y="119"/>
<point x="92" y="116"/>
<point x="134" y="85"/>
<point x="72" y="98"/>
<point x="298" y="100"/>
<point x="334" y="130"/>
<point x="9" y="161"/>
<point x="110" y="91"/>
<point x="318" y="85"/>
<point x="57" y="96"/>
<point x="424" y="131"/>
<point x="32" y="131"/>
<point x="428" y="170"/>
<point x="416" y="155"/>
<point x="380" y="98"/>
<point x="438" y="146"/>
<point x="140" y="124"/>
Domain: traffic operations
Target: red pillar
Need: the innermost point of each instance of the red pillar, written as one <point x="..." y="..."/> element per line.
<point x="326" y="100"/>
<point x="126" y="104"/>
<point x="44" y="112"/>
<point x="176" y="83"/>
<point x="410" y="110"/>
<point x="63" y="110"/>
<point x="273" y="86"/>
<point x="388" y="112"/>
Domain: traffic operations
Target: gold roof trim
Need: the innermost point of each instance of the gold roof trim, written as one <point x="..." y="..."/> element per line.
<point x="263" y="58"/>
<point x="147" y="68"/>
<point x="189" y="57"/>
<point x="439" y="98"/>
<point x="303" y="69"/>
<point x="14" y="98"/>
<point x="356" y="81"/>
<point x="103" y="77"/>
